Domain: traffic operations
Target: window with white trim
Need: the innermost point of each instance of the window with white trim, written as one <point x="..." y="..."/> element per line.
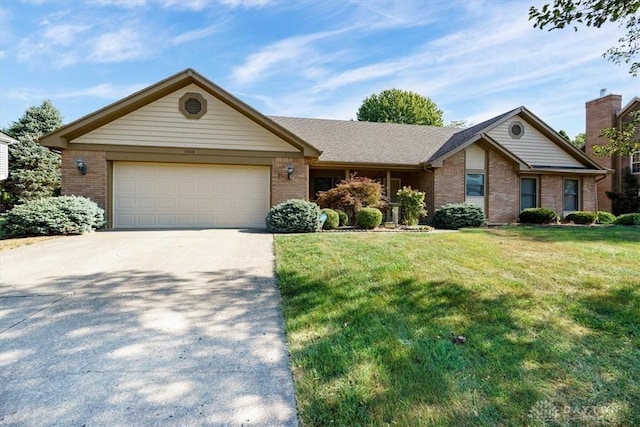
<point x="635" y="162"/>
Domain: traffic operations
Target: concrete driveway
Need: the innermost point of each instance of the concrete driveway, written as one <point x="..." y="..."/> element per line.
<point x="143" y="328"/>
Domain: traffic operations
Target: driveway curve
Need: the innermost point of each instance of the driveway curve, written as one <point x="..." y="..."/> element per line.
<point x="143" y="328"/>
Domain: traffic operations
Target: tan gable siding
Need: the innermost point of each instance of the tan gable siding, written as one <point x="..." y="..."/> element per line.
<point x="533" y="148"/>
<point x="161" y="124"/>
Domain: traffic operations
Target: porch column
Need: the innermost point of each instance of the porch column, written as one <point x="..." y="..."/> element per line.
<point x="388" y="189"/>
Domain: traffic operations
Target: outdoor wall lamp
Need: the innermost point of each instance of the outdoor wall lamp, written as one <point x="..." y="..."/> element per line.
<point x="82" y="166"/>
<point x="289" y="171"/>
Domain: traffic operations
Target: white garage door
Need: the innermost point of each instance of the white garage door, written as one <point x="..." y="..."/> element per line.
<point x="168" y="195"/>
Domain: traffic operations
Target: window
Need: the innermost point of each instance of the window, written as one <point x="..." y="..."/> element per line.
<point x="324" y="183"/>
<point x="475" y="184"/>
<point x="635" y="162"/>
<point x="528" y="193"/>
<point x="570" y="193"/>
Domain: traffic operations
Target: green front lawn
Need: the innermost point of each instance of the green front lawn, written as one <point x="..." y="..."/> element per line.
<point x="551" y="318"/>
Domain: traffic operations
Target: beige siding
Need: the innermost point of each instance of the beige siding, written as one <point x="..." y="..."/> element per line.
<point x="533" y="148"/>
<point x="475" y="158"/>
<point x="161" y="124"/>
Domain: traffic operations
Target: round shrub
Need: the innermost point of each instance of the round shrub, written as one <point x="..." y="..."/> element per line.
<point x="605" y="217"/>
<point x="54" y="215"/>
<point x="628" y="219"/>
<point x="537" y="216"/>
<point x="343" y="218"/>
<point x="582" y="217"/>
<point x="368" y="218"/>
<point x="294" y="216"/>
<point x="333" y="220"/>
<point x="458" y="215"/>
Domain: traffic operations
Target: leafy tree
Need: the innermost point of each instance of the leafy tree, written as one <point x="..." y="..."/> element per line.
<point x="579" y="140"/>
<point x="564" y="134"/>
<point x="34" y="171"/>
<point x="595" y="13"/>
<point x="629" y="200"/>
<point x="623" y="140"/>
<point x="353" y="194"/>
<point x="399" y="106"/>
<point x="463" y="124"/>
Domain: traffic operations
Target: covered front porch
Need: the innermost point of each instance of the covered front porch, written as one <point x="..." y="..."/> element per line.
<point x="392" y="180"/>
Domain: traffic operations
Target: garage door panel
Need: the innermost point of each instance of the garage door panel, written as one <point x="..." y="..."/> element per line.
<point x="162" y="195"/>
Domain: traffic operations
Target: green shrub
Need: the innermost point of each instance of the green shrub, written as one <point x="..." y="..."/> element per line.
<point x="628" y="219"/>
<point x="537" y="216"/>
<point x="582" y="217"/>
<point x="294" y="216"/>
<point x="368" y="218"/>
<point x="412" y="205"/>
<point x="458" y="215"/>
<point x="343" y="218"/>
<point x="605" y="217"/>
<point x="333" y="219"/>
<point x="54" y="215"/>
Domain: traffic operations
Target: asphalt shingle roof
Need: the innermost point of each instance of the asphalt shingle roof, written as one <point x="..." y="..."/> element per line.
<point x="367" y="142"/>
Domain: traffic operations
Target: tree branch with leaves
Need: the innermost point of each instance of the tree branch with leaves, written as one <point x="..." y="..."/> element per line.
<point x="623" y="140"/>
<point x="595" y="13"/>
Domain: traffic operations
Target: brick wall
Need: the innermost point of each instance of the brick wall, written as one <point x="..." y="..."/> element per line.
<point x="283" y="188"/>
<point x="589" y="194"/>
<point x="551" y="192"/>
<point x="448" y="184"/>
<point x="503" y="190"/>
<point x="601" y="113"/>
<point x="92" y="185"/>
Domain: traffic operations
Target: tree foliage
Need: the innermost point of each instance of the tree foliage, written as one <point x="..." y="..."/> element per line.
<point x="595" y="13"/>
<point x="623" y="140"/>
<point x="353" y="194"/>
<point x="629" y="200"/>
<point x="34" y="171"/>
<point x="399" y="106"/>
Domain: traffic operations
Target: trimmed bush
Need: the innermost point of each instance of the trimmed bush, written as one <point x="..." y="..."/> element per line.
<point x="333" y="219"/>
<point x="605" y="217"/>
<point x="368" y="218"/>
<point x="412" y="205"/>
<point x="537" y="216"/>
<point x="294" y="216"/>
<point x="353" y="194"/>
<point x="343" y="218"/>
<point x="54" y="215"/>
<point x="582" y="217"/>
<point x="458" y="215"/>
<point x="628" y="219"/>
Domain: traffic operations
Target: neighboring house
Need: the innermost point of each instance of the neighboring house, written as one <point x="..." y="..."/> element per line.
<point x="186" y="153"/>
<point x="5" y="141"/>
<point x="607" y="112"/>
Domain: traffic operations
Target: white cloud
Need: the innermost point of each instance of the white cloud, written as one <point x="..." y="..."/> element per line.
<point x="245" y="4"/>
<point x="106" y="91"/>
<point x="297" y="52"/>
<point x="122" y="45"/>
<point x="194" y="35"/>
<point x="126" y="4"/>
<point x="65" y="34"/>
<point x="192" y="5"/>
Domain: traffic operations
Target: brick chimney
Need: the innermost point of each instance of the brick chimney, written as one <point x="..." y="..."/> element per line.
<point x="600" y="114"/>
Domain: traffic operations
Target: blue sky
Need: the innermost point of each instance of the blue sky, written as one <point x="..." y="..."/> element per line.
<point x="474" y="58"/>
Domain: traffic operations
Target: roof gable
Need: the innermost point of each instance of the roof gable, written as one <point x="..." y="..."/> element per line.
<point x="543" y="148"/>
<point x="84" y="125"/>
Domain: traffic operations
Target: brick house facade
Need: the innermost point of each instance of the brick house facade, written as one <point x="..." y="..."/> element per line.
<point x="153" y="163"/>
<point x="608" y="112"/>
